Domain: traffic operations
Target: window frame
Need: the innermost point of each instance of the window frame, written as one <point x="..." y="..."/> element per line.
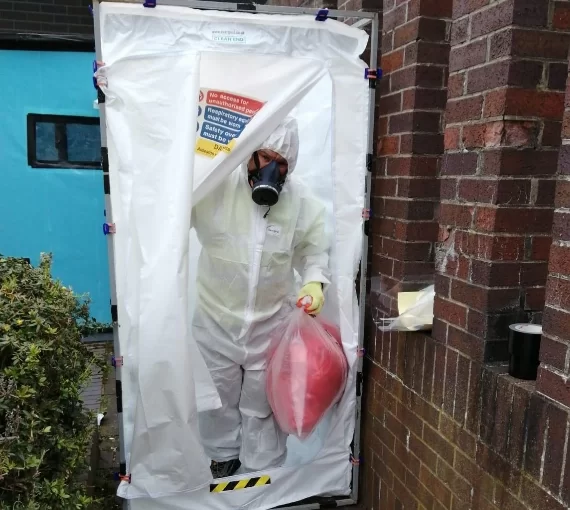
<point x="60" y="122"/>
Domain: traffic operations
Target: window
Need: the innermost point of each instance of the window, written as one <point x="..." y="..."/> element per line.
<point x="61" y="141"/>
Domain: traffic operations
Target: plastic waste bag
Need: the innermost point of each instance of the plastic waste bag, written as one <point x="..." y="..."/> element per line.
<point x="306" y="373"/>
<point x="415" y="311"/>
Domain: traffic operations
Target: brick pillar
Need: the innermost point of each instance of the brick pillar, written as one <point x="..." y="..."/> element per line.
<point x="555" y="345"/>
<point x="503" y="119"/>
<point x="409" y="120"/>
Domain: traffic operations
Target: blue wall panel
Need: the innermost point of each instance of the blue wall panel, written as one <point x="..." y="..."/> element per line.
<point x="51" y="210"/>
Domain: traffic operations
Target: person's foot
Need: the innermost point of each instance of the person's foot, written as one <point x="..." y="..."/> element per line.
<point x="224" y="469"/>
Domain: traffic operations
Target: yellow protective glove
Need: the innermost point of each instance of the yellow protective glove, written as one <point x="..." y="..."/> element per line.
<point x="316" y="299"/>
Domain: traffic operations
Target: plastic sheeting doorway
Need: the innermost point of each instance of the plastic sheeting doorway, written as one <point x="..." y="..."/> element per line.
<point x="170" y="76"/>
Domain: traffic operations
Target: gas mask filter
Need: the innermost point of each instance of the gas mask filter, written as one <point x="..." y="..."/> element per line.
<point x="266" y="183"/>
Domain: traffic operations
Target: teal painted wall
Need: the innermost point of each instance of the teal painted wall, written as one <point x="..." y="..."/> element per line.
<point x="51" y="210"/>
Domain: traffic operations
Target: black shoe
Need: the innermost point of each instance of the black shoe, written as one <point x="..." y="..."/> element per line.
<point x="224" y="469"/>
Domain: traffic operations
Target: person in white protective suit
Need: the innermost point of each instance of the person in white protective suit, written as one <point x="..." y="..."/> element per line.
<point x="255" y="229"/>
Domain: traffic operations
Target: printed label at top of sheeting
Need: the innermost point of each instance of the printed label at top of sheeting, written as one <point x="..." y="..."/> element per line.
<point x="222" y="116"/>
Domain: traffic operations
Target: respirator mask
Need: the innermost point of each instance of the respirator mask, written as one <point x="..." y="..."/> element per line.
<point x="266" y="183"/>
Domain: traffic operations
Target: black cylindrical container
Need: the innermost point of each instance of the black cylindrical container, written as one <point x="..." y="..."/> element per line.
<point x="524" y="350"/>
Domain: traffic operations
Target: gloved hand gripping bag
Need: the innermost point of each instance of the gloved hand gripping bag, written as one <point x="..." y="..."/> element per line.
<point x="306" y="373"/>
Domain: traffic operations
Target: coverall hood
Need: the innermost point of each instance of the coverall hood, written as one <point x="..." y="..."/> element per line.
<point x="285" y="142"/>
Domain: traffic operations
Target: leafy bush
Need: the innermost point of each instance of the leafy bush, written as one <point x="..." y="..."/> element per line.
<point x="44" y="430"/>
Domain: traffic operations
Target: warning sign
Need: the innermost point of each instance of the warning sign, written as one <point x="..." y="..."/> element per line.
<point x="222" y="116"/>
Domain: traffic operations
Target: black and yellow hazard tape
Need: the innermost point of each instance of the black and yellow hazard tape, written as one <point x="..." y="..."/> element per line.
<point x="246" y="483"/>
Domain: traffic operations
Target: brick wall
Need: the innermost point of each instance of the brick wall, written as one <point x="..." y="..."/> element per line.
<point x="410" y="145"/>
<point x="46" y="16"/>
<point x="444" y="425"/>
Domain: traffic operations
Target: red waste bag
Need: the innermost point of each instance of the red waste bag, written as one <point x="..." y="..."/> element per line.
<point x="306" y="373"/>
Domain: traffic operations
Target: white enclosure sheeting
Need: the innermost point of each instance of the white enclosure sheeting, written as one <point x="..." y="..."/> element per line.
<point x="190" y="94"/>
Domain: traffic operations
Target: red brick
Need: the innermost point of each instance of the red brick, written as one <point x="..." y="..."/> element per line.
<point x="436" y="486"/>
<point x="392" y="61"/>
<point x="389" y="145"/>
<point x="418" y="187"/>
<point x="413" y="166"/>
<point x="451" y="138"/>
<point x="406" y="33"/>
<point x="496" y="273"/>
<point x="559" y="261"/>
<point x="394" y="18"/>
<point x="459" y="31"/>
<point x="385" y="187"/>
<point x="496" y="466"/>
<point x="450" y="311"/>
<point x="522" y="102"/>
<point x="456" y="215"/>
<point x="557" y="75"/>
<point x="456" y="84"/>
<point x="448" y="189"/>
<point x="425" y="99"/>
<point x="462" y="163"/>
<point x="484" y="299"/>
<point x="553" y="462"/>
<point x="551" y="134"/>
<point x="473" y="136"/>
<point x="464" y="109"/>
<point x="459" y="486"/>
<point x="462" y="7"/>
<point x="562" y="194"/>
<point x="431" y="8"/>
<point x="554" y="385"/>
<point x="422" y="143"/>
<point x="546" y="192"/>
<point x="472" y="54"/>
<point x="519" y="162"/>
<point x="429" y="362"/>
<point x="387" y="43"/>
<point x="419" y="75"/>
<point x="468" y="344"/>
<point x="537" y="498"/>
<point x="465" y="441"/>
<point x="513" y="220"/>
<point x="534" y="274"/>
<point x="391" y="104"/>
<point x="561" y="226"/>
<point x="491" y="20"/>
<point x="477" y="190"/>
<point x="556" y="322"/>
<point x="427" y="52"/>
<point x="540" y="249"/>
<point x="415" y="121"/>
<point x="561" y="18"/>
<point x="450" y="385"/>
<point x="553" y="352"/>
<point x="530" y="43"/>
<point x="419" y="491"/>
<point x="408" y="209"/>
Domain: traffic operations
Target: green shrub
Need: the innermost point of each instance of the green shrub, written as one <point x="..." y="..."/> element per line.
<point x="44" y="430"/>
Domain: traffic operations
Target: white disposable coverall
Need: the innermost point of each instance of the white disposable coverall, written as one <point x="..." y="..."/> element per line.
<point x="245" y="284"/>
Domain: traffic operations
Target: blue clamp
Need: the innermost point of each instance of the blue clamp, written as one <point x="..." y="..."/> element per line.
<point x="95" y="67"/>
<point x="150" y="3"/>
<point x="373" y="74"/>
<point x="322" y="15"/>
<point x="109" y="228"/>
<point x="116" y="362"/>
<point x="91" y="9"/>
